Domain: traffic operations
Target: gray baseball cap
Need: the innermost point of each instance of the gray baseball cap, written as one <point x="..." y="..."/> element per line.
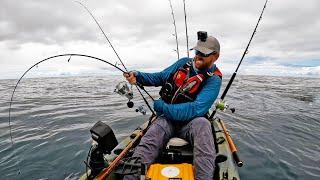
<point x="210" y="45"/>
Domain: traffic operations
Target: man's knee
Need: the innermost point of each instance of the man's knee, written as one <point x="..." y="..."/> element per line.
<point x="153" y="141"/>
<point x="161" y="124"/>
<point x="201" y="124"/>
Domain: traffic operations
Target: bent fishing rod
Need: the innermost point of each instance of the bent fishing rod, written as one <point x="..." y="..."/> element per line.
<point x="109" y="42"/>
<point x="243" y="55"/>
<point x="36" y="65"/>
<point x="46" y="59"/>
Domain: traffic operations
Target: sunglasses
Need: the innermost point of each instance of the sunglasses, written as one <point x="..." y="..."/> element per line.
<point x="198" y="53"/>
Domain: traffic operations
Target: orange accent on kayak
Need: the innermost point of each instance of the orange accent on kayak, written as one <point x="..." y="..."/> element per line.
<point x="230" y="142"/>
<point x="182" y="171"/>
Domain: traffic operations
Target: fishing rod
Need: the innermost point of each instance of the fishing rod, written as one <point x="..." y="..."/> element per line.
<point x="175" y="29"/>
<point x="186" y="27"/>
<point x="46" y="59"/>
<point x="36" y="65"/>
<point x="109" y="42"/>
<point x="243" y="55"/>
<point x="232" y="146"/>
<point x="115" y="162"/>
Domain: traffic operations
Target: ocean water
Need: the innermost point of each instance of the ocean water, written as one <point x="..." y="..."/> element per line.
<point x="275" y="126"/>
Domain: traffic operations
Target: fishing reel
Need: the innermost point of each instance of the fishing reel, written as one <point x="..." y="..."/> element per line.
<point x="166" y="92"/>
<point x="223" y="106"/>
<point x="123" y="89"/>
<point x="202" y="36"/>
<point x="141" y="110"/>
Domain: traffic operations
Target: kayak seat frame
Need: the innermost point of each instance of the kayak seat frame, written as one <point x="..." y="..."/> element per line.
<point x="175" y="154"/>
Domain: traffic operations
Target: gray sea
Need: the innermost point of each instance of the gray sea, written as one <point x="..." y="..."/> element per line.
<point x="275" y="126"/>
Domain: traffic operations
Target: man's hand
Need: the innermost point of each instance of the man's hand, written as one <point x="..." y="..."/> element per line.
<point x="131" y="78"/>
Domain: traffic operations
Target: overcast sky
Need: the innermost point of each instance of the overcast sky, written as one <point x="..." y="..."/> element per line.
<point x="287" y="42"/>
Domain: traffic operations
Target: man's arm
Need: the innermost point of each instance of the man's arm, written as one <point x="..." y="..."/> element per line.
<point x="159" y="78"/>
<point x="190" y="110"/>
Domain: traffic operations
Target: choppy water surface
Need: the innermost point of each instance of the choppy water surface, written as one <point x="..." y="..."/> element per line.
<point x="276" y="125"/>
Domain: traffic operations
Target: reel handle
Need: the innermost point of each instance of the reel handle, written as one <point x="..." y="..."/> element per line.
<point x="130" y="104"/>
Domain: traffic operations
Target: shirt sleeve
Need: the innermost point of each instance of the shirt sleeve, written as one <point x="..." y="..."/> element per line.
<point x="199" y="107"/>
<point x="159" y="78"/>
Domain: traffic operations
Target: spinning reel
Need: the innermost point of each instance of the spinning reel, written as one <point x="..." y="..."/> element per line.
<point x="123" y="89"/>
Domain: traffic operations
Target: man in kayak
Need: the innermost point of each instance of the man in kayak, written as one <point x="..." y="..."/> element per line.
<point x="189" y="88"/>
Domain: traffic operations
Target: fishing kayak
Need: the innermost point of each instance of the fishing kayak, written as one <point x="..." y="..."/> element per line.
<point x="175" y="162"/>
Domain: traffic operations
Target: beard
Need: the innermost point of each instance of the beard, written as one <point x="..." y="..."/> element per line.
<point x="202" y="62"/>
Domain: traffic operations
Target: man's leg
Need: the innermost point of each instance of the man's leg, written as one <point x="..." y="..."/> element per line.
<point x="152" y="143"/>
<point x="199" y="133"/>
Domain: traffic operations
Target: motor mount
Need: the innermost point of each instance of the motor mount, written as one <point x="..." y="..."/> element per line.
<point x="104" y="136"/>
<point x="104" y="142"/>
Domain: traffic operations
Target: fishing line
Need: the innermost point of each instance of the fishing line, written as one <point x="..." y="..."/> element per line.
<point x="103" y="33"/>
<point x="186" y="26"/>
<point x="175" y="30"/>
<point x="137" y="84"/>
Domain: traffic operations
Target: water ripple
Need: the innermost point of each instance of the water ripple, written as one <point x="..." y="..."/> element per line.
<point x="275" y="126"/>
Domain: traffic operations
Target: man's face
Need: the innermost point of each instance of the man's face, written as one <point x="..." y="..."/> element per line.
<point x="202" y="62"/>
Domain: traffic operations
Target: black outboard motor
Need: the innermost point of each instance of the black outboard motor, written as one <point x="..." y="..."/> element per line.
<point x="106" y="141"/>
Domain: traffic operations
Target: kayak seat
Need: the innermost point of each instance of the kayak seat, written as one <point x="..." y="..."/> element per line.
<point x="176" y="151"/>
<point x="176" y="142"/>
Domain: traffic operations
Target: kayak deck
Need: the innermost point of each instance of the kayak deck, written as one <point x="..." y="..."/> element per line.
<point x="225" y="166"/>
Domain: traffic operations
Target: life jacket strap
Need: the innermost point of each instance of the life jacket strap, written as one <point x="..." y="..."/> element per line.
<point x="217" y="72"/>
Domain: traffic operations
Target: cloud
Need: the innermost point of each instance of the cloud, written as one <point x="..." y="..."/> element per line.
<point x="141" y="31"/>
<point x="48" y="22"/>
